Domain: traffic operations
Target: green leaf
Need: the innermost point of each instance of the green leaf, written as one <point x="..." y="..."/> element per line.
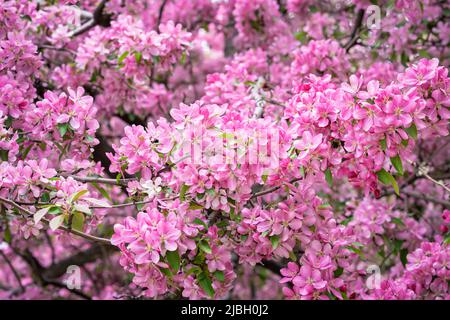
<point x="27" y="150"/>
<point x="403" y="255"/>
<point x="98" y="202"/>
<point x="56" y="222"/>
<point x="195" y="269"/>
<point x="4" y="155"/>
<point x="83" y="208"/>
<point x="167" y="272"/>
<point x="122" y="57"/>
<point x="329" y="177"/>
<point x="45" y="197"/>
<point x="424" y="54"/>
<point x="138" y="56"/>
<point x="275" y="240"/>
<point x="356" y="250"/>
<point x="40" y="214"/>
<point x="7" y="235"/>
<point x="301" y="36"/>
<point x="412" y="131"/>
<point x="386" y="178"/>
<point x="338" y="272"/>
<point x="62" y="128"/>
<point x="219" y="276"/>
<point x="174" y="260"/>
<point x="347" y="220"/>
<point x="447" y="238"/>
<point x="77" y="221"/>
<point x="200" y="222"/>
<point x="183" y="58"/>
<point x="54" y="210"/>
<point x="102" y="191"/>
<point x="404" y="59"/>
<point x="397" y="245"/>
<point x="204" y="246"/>
<point x="397" y="163"/>
<point x="383" y="144"/>
<point x="184" y="189"/>
<point x="398" y="221"/>
<point x="292" y="256"/>
<point x="75" y="196"/>
<point x="405" y="142"/>
<point x="302" y="171"/>
<point x="195" y="206"/>
<point x="206" y="284"/>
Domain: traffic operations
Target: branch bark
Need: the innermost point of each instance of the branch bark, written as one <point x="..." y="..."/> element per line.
<point x="98" y="18"/>
<point x="30" y="214"/>
<point x="355" y="32"/>
<point x="90" y="255"/>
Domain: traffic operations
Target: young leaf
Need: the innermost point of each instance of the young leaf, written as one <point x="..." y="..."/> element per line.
<point x="195" y="269"/>
<point x="204" y="245"/>
<point x="7" y="235"/>
<point x="54" y="210"/>
<point x="397" y="163"/>
<point x="184" y="189"/>
<point x="56" y="222"/>
<point x="356" y="250"/>
<point x="200" y="222"/>
<point x="447" y="239"/>
<point x="386" y="178"/>
<point x="219" y="276"/>
<point x="167" y="272"/>
<point x="98" y="202"/>
<point x="122" y="57"/>
<point x="40" y="214"/>
<point x="329" y="177"/>
<point x="412" y="131"/>
<point x="62" y="128"/>
<point x="45" y="197"/>
<point x="174" y="260"/>
<point x="102" y="191"/>
<point x="195" y="206"/>
<point x="77" y="221"/>
<point x="77" y="195"/>
<point x="398" y="221"/>
<point x="403" y="255"/>
<point x="82" y="208"/>
<point x="339" y="271"/>
<point x="138" y="56"/>
<point x="275" y="240"/>
<point x="206" y="284"/>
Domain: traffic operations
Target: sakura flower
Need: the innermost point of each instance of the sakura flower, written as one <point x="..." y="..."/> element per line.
<point x="309" y="280"/>
<point x="152" y="188"/>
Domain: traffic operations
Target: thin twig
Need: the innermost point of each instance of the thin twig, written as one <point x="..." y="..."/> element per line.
<point x="427" y="198"/>
<point x="14" y="271"/>
<point x="270" y="190"/>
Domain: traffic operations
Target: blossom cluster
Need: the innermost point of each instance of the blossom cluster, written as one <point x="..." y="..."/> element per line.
<point x="224" y="149"/>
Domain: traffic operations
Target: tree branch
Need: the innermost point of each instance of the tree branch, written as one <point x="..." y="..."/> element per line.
<point x="98" y="18"/>
<point x="30" y="214"/>
<point x="355" y="32"/>
<point x="425" y="197"/>
<point x="90" y="255"/>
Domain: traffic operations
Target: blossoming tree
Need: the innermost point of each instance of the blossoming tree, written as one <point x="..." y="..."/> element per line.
<point x="227" y="149"/>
